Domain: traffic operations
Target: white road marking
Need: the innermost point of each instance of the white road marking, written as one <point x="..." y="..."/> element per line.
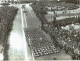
<point x="24" y="41"/>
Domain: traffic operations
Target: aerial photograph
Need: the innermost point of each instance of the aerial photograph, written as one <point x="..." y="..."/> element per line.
<point x="32" y="30"/>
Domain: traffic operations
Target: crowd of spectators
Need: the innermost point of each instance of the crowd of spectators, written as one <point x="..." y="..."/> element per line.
<point x="65" y="39"/>
<point x="38" y="42"/>
<point x="40" y="8"/>
<point x="62" y="5"/>
<point x="54" y="6"/>
<point x="69" y="40"/>
<point x="7" y="15"/>
<point x="67" y="21"/>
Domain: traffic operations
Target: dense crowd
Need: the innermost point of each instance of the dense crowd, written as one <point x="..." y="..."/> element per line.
<point x="67" y="21"/>
<point x="69" y="40"/>
<point x="38" y="42"/>
<point x="7" y="15"/>
<point x="40" y="8"/>
<point x="54" y="6"/>
<point x="62" y="5"/>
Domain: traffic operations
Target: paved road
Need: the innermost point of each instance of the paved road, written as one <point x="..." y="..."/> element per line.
<point x="69" y="14"/>
<point x="16" y="49"/>
<point x="66" y="14"/>
<point x="60" y="15"/>
<point x="32" y="20"/>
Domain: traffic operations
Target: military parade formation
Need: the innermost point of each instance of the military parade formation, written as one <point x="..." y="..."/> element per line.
<point x="38" y="43"/>
<point x="61" y="38"/>
<point x="64" y="39"/>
